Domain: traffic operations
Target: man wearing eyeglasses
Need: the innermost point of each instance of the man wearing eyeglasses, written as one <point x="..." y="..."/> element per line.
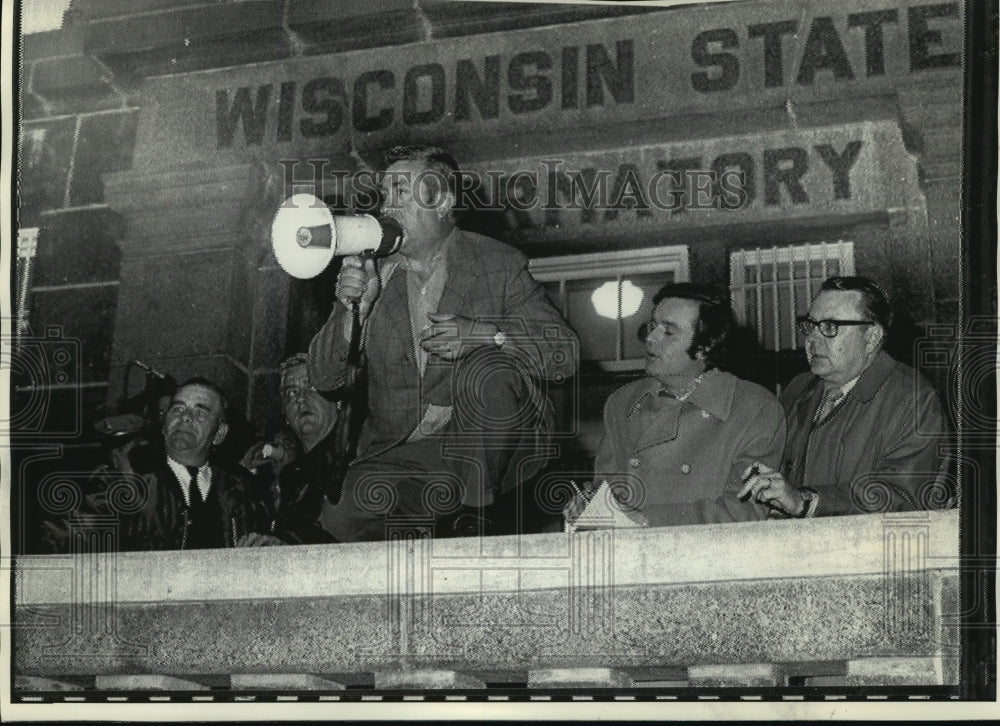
<point x="860" y="425"/>
<point x="309" y="472"/>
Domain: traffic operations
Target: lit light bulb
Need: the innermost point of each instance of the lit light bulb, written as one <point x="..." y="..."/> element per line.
<point x="605" y="299"/>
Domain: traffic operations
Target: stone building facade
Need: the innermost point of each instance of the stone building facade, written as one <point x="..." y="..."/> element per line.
<point x="158" y="137"/>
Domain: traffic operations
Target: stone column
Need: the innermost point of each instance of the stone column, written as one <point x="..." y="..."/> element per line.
<point x="199" y="293"/>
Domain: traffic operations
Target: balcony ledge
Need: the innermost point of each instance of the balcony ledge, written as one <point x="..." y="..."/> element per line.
<point x="843" y="590"/>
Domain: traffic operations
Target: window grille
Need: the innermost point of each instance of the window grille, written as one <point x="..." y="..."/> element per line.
<point x="769" y="288"/>
<point x="608" y="324"/>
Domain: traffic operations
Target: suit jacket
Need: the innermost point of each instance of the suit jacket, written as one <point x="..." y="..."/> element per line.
<point x="486" y="280"/>
<point x="151" y="511"/>
<point x="680" y="462"/>
<point x="878" y="450"/>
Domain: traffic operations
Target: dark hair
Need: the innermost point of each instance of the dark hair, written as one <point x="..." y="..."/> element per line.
<point x="436" y="159"/>
<point x="302" y="359"/>
<point x="714" y="321"/>
<point x="299" y="359"/>
<point x="205" y="383"/>
<point x="875" y="302"/>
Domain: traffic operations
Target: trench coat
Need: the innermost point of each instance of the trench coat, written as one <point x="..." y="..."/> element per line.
<point x="880" y="448"/>
<point x="680" y="462"/>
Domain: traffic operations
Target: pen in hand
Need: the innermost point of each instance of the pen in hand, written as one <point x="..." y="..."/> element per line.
<point x="581" y="500"/>
<point x="754" y="471"/>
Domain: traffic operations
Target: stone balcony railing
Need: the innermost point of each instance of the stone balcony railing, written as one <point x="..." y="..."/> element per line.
<point x="864" y="600"/>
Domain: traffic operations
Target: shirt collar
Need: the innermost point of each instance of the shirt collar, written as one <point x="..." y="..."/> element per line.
<point x="867" y="382"/>
<point x="181" y="472"/>
<point x="177" y="466"/>
<point x="846" y="388"/>
<point x="843" y="389"/>
<point x="440" y="261"/>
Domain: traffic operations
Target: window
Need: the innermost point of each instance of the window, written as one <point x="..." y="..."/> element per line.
<point x="771" y="287"/>
<point x="68" y="291"/>
<point x="606" y="297"/>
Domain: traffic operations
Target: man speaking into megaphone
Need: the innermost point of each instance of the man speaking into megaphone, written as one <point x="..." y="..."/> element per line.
<point x="458" y="340"/>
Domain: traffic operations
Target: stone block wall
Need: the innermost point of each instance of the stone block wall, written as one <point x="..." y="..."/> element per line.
<point x="871" y="598"/>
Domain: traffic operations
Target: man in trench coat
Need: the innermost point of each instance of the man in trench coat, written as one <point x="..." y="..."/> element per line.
<point x="865" y="432"/>
<point x="676" y="442"/>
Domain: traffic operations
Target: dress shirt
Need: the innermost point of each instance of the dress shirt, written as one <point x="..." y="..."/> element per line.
<point x="204" y="479"/>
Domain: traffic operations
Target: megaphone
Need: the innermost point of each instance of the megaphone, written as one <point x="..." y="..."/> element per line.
<point x="305" y="235"/>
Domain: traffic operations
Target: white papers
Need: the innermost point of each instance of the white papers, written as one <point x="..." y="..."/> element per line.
<point x="602" y="511"/>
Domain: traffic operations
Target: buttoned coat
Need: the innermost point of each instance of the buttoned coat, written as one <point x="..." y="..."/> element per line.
<point x="680" y="462"/>
<point x="879" y="450"/>
<point x="488" y="281"/>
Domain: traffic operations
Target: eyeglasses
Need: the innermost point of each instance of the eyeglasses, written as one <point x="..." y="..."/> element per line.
<point x="294" y="394"/>
<point x="827" y="328"/>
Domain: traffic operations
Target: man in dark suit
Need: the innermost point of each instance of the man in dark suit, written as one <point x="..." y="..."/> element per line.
<point x="864" y="430"/>
<point x="298" y="476"/>
<point x="457" y="337"/>
<point x="167" y="495"/>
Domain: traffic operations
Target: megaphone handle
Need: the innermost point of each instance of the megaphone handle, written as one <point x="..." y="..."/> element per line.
<point x="354" y="352"/>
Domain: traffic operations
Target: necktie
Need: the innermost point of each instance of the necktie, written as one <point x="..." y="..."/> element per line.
<point x="194" y="491"/>
<point x="831" y="397"/>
